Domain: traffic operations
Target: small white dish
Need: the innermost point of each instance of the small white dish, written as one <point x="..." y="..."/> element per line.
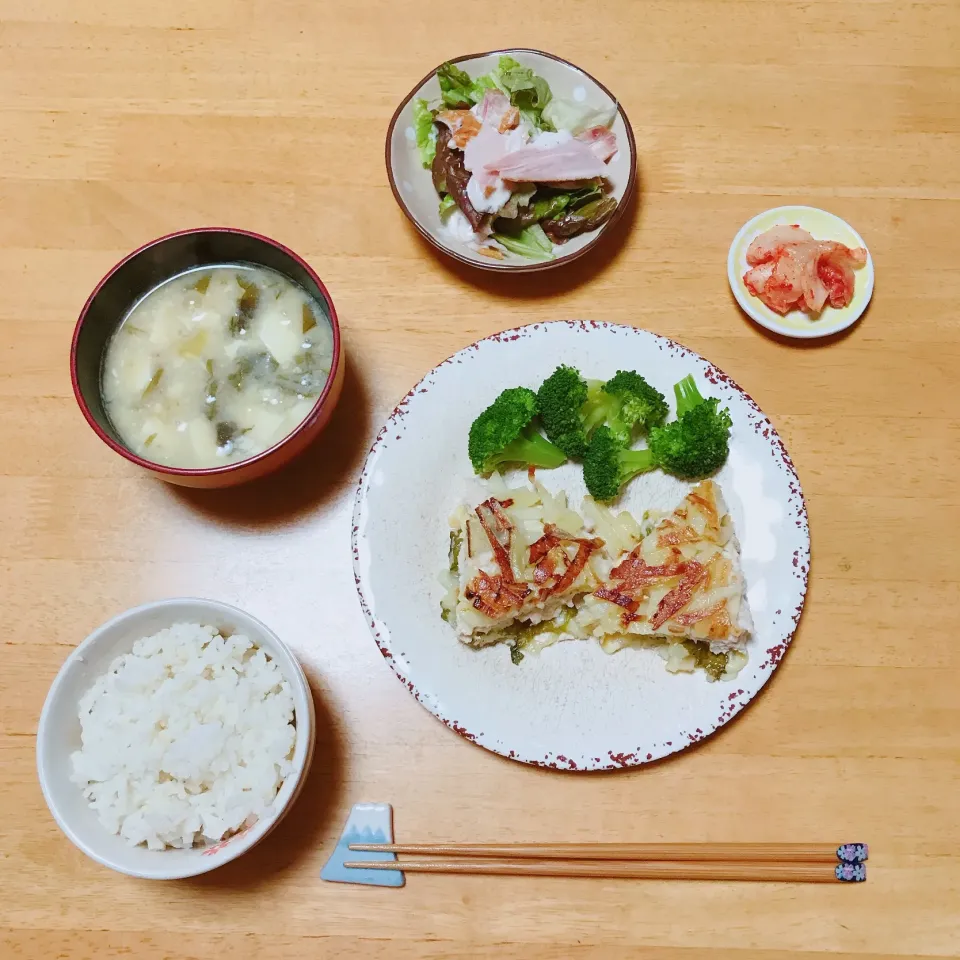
<point x="58" y="735"/>
<point x="797" y="324"/>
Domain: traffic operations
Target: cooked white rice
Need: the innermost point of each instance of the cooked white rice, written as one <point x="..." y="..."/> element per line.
<point x="186" y="739"/>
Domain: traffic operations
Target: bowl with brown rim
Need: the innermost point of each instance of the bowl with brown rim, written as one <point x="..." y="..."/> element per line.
<point x="412" y="184"/>
<point x="144" y="270"/>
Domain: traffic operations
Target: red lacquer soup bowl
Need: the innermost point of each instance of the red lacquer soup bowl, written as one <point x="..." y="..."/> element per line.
<point x="145" y="269"/>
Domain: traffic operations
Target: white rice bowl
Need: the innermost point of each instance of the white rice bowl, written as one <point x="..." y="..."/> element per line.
<point x="165" y="749"/>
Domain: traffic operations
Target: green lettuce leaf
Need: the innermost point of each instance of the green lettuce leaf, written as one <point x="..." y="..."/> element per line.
<point x="425" y="130"/>
<point x="577" y="117"/>
<point x="552" y="205"/>
<point x="528" y="92"/>
<point x="592" y="191"/>
<point x="481" y="85"/>
<point x="458" y="90"/>
<point x="456" y="87"/>
<point x="531" y="243"/>
<point x="588" y="217"/>
<point x="447" y="205"/>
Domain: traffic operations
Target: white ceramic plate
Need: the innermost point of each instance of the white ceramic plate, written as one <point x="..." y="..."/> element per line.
<point x="571" y="706"/>
<point x="412" y="185"/>
<point x="824" y="226"/>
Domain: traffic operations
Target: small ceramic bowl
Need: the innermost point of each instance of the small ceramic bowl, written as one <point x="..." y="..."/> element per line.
<point x="58" y="736"/>
<point x="134" y="277"/>
<point x="412" y="185"/>
<point x="797" y="323"/>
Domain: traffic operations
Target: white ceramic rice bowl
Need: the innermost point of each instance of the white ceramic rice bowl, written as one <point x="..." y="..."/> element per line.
<point x="58" y="736"/>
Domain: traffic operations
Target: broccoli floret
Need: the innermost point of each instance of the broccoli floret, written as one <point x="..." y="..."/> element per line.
<point x="691" y="447"/>
<point x="608" y="464"/>
<point x="697" y="443"/>
<point x="504" y="433"/>
<point x="560" y="399"/>
<point x="572" y="408"/>
<point x="625" y="403"/>
<point x="641" y="405"/>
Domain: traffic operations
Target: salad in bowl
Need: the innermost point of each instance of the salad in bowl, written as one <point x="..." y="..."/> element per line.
<point x="523" y="158"/>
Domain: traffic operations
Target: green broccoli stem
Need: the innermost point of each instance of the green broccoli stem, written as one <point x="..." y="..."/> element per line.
<point x="533" y="448"/>
<point x="633" y="462"/>
<point x="600" y="406"/>
<point x="687" y="394"/>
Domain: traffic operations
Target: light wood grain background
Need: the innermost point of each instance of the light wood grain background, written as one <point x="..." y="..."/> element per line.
<point x="120" y="121"/>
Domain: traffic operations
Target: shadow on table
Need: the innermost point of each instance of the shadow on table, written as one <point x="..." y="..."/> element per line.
<point x="301" y="832"/>
<point x="554" y="282"/>
<point x="334" y="458"/>
<point x="800" y="343"/>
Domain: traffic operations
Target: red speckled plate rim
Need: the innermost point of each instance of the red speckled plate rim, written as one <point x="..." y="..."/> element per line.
<point x="737" y="698"/>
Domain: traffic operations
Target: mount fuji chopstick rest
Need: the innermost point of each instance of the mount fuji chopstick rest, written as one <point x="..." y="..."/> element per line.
<point x="367" y="823"/>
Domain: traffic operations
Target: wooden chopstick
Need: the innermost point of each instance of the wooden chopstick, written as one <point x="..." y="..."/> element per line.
<point x="798" y="872"/>
<point x="678" y="852"/>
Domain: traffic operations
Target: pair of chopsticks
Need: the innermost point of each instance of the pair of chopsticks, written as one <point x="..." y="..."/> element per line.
<point x="776" y="862"/>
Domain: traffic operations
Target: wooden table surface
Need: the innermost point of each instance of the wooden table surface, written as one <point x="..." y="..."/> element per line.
<point x="122" y="121"/>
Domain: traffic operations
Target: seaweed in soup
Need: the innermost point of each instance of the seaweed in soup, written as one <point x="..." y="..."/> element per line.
<point x="256" y="365"/>
<point x="246" y="307"/>
<point x="210" y="398"/>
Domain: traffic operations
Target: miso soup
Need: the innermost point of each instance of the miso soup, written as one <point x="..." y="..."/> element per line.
<point x="216" y="365"/>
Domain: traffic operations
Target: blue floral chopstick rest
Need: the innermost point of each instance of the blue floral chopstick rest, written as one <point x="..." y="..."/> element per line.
<point x="367" y="823"/>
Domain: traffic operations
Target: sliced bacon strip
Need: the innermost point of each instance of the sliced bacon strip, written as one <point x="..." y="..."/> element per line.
<point x="516" y="592"/>
<point x="635" y="572"/>
<point x="499" y="530"/>
<point x="547" y="550"/>
<point x="574" y="568"/>
<point x="620" y="599"/>
<point x="494" y="107"/>
<point x="674" y="601"/>
<point x="602" y="141"/>
<point x="547" y="567"/>
<point x="493" y="596"/>
<point x="721" y="627"/>
<point x="559" y="163"/>
<point x="672" y="535"/>
<point x="707" y="507"/>
<point x="691" y="617"/>
<point x="551" y="538"/>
